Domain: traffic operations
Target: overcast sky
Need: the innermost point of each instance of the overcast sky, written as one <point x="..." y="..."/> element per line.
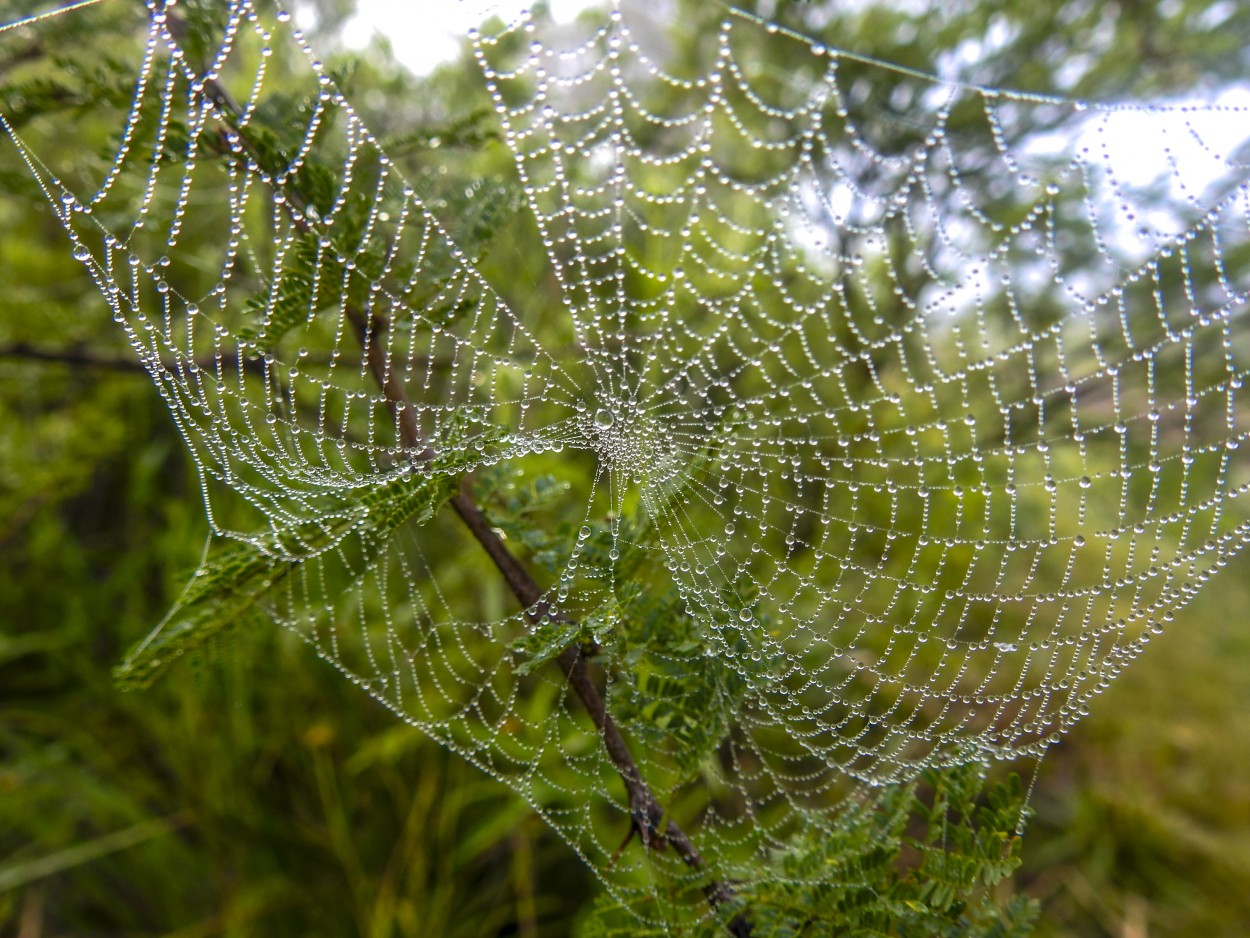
<point x="424" y="33"/>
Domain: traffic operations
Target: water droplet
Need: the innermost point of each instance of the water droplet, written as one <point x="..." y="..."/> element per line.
<point x="745" y="615"/>
<point x="584" y="532"/>
<point x="604" y="418"/>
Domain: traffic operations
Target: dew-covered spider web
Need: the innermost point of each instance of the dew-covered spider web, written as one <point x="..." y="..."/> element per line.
<point x="866" y="421"/>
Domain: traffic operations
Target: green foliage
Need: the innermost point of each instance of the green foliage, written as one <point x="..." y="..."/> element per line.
<point x="519" y="507"/>
<point x="906" y="865"/>
<point x="915" y="861"/>
<point x="72" y="86"/>
<point x="470" y="131"/>
<point x="251" y="793"/>
<point x="674" y="687"/>
<point x="678" y="683"/>
<point x="227" y="586"/>
<point x="544" y="644"/>
<point x="290" y="300"/>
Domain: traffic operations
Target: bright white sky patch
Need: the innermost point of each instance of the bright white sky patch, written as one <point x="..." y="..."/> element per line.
<point x="426" y="33"/>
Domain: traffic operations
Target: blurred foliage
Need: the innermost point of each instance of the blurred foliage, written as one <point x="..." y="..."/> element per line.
<point x="254" y="792"/>
<point x="1142" y="820"/>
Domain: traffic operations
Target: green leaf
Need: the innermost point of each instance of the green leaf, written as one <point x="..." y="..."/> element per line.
<point x="543" y="644"/>
<point x="228" y="586"/>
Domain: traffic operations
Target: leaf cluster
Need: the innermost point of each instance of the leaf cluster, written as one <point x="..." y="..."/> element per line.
<point x="228" y="586"/>
<point x="676" y="681"/>
<point x="909" y="864"/>
<point x="913" y="861"/>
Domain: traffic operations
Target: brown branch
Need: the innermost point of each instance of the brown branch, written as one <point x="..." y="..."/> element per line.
<point x="71" y="356"/>
<point x="646" y="813"/>
<point x="647" y="817"/>
<point x="83" y="357"/>
<point x="78" y="356"/>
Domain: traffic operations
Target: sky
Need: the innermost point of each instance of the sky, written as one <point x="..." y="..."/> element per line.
<point x="424" y="33"/>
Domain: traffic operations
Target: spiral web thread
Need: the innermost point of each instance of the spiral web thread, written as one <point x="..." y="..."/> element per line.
<point x="925" y="400"/>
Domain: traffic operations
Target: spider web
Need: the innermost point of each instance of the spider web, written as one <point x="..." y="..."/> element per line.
<point x="922" y="403"/>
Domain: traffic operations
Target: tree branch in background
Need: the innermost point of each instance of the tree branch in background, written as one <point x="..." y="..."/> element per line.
<point x="74" y="355"/>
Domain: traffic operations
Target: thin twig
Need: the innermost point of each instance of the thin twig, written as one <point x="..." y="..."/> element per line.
<point x="73" y="355"/>
<point x="647" y="816"/>
<point x="80" y="357"/>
